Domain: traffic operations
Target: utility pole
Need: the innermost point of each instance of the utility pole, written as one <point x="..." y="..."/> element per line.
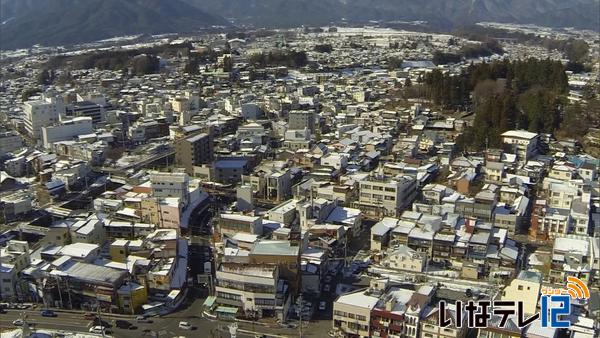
<point x="300" y="305"/>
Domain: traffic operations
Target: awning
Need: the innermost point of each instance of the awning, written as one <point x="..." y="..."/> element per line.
<point x="210" y="301"/>
<point x="226" y="309"/>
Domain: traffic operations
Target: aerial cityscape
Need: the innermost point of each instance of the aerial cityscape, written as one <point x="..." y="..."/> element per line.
<point x="270" y="168"/>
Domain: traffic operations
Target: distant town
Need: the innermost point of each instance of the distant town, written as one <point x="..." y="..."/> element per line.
<point x="309" y="182"/>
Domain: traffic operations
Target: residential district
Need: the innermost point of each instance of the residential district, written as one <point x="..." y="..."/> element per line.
<point x="294" y="183"/>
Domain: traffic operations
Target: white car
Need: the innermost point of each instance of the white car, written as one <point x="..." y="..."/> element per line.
<point x="185" y="325"/>
<point x="97" y="329"/>
<point x="18" y="322"/>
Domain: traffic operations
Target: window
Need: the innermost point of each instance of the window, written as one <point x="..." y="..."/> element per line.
<point x="520" y="287"/>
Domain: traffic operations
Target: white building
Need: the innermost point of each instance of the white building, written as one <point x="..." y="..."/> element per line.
<point x="386" y="195"/>
<point x="526" y="287"/>
<point x="42" y="113"/>
<point x="171" y="185"/>
<point x="14" y="257"/>
<point x="66" y="130"/>
<point x="352" y="313"/>
<point x="255" y="289"/>
<point x="522" y="143"/>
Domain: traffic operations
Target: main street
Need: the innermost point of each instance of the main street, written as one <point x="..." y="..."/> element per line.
<point x="165" y="326"/>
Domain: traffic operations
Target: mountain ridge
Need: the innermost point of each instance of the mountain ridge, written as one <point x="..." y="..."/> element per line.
<point x="57" y="22"/>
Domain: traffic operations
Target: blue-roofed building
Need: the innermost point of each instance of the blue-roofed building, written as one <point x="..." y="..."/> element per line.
<point x="230" y="170"/>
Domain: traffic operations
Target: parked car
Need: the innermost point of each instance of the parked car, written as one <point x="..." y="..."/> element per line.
<point x="322" y="305"/>
<point x="143" y="319"/>
<point x="328" y="279"/>
<point x="185" y="325"/>
<point x="97" y="329"/>
<point x="18" y="322"/>
<point x="327" y="288"/>
<point x="89" y="315"/>
<point x="48" y="313"/>
<point x="100" y="322"/>
<point x="123" y="324"/>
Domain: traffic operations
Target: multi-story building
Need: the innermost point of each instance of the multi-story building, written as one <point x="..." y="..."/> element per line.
<point x="231" y="224"/>
<point x="256" y="289"/>
<point x="352" y="313"/>
<point x="9" y="142"/>
<point x="387" y="196"/>
<point x="526" y="287"/>
<point x="571" y="256"/>
<point x="42" y="113"/>
<point x="430" y="325"/>
<point x="301" y="119"/>
<point x="522" y="143"/>
<point x="171" y="185"/>
<point x="271" y="185"/>
<point x="66" y="130"/>
<point x="14" y="257"/>
<point x="194" y="151"/>
<point x="90" y="109"/>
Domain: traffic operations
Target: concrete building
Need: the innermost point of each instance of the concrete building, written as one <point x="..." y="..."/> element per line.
<point x="194" y="151"/>
<point x="352" y="313"/>
<point x="526" y="287"/>
<point x="9" y="142"/>
<point x="300" y="120"/>
<point x="42" y="113"/>
<point x="95" y="111"/>
<point x="522" y="143"/>
<point x="171" y="185"/>
<point x="231" y="224"/>
<point x="387" y="196"/>
<point x="66" y="130"/>
<point x="14" y="257"/>
<point x="255" y="289"/>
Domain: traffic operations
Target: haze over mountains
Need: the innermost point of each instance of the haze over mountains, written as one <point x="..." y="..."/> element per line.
<point x="52" y="22"/>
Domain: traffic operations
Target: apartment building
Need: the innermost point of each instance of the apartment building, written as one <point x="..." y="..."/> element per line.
<point x="522" y="143"/>
<point x="171" y="185"/>
<point x="9" y="142"/>
<point x="352" y="313"/>
<point x="301" y="119"/>
<point x="255" y="289"/>
<point x="14" y="257"/>
<point x="386" y="196"/>
<point x="194" y="151"/>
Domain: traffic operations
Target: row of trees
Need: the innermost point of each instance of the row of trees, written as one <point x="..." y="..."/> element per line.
<point x="291" y="59"/>
<point x="503" y="95"/>
<point x="469" y="51"/>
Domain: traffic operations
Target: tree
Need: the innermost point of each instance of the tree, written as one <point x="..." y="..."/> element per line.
<point x="45" y="77"/>
<point x="577" y="50"/>
<point x="29" y="92"/>
<point x="323" y="48"/>
<point x="394" y="62"/>
<point x="191" y="67"/>
<point x="227" y="64"/>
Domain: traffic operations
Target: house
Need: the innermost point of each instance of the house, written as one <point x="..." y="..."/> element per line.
<point x="352" y="313"/>
<point x="404" y="258"/>
<point x="525" y="287"/>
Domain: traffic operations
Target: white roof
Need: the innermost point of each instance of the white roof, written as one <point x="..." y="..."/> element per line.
<point x="358" y="299"/>
<point x="524" y="134"/>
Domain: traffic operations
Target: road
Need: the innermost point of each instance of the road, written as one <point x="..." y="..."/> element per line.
<point x="166" y="326"/>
